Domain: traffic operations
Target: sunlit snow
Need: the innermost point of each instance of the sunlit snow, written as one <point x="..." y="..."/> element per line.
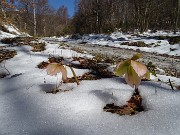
<point x="25" y="108"/>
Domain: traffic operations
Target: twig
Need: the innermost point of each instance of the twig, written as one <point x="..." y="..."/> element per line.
<point x="171" y="84"/>
<point x="77" y="81"/>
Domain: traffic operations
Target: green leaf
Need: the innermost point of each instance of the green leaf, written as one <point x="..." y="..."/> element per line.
<point x="147" y="75"/>
<point x="132" y="77"/>
<point x="136" y="56"/>
<point x="121" y="68"/>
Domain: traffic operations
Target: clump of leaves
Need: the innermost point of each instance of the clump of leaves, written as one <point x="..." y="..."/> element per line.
<point x="133" y="70"/>
<point x="38" y="47"/>
<point x="6" y="54"/>
<point x="132" y="107"/>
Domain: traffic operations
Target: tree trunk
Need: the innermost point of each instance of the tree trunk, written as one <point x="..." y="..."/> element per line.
<point x="97" y="17"/>
<point x="35" y="21"/>
<point x="142" y="9"/>
<point x="177" y="17"/>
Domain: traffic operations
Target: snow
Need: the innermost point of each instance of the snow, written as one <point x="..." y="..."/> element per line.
<point x="5" y="35"/>
<point x="13" y="32"/>
<point x="53" y="50"/>
<point x="12" y="29"/>
<point x="25" y="108"/>
<point x="115" y="39"/>
<point x="160" y="33"/>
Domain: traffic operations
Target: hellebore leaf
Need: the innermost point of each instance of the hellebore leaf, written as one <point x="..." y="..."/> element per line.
<point x="136" y="56"/>
<point x="132" y="77"/>
<point x="139" y="68"/>
<point x="54" y="68"/>
<point x="147" y="75"/>
<point x="122" y="67"/>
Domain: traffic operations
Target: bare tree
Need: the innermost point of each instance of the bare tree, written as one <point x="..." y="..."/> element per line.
<point x="34" y="16"/>
<point x="5" y="5"/>
<point x="62" y="14"/>
<point x="176" y="14"/>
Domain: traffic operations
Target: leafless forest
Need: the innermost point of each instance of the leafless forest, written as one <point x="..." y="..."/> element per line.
<point x="38" y="18"/>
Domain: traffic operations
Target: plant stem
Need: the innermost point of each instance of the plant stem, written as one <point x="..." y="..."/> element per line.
<point x="77" y="81"/>
<point x="136" y="91"/>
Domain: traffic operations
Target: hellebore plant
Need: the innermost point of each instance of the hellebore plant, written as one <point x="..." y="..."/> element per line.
<point x="133" y="70"/>
<point x="54" y="68"/>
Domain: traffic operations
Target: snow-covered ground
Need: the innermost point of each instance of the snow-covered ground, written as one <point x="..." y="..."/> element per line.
<point x="5" y="35"/>
<point x="12" y="32"/>
<point x="117" y="38"/>
<point x="12" y="29"/>
<point x="26" y="108"/>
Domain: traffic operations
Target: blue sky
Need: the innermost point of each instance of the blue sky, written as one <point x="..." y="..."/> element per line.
<point x="68" y="3"/>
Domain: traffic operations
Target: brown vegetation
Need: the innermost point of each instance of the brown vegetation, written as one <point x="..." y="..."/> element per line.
<point x="6" y="54"/>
